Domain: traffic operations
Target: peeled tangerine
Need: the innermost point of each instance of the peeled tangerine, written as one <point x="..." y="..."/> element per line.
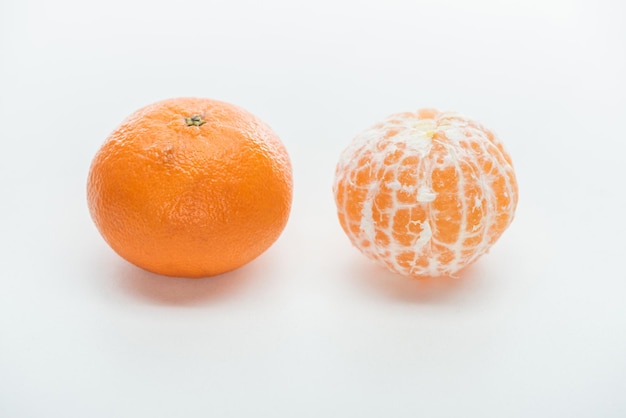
<point x="425" y="193"/>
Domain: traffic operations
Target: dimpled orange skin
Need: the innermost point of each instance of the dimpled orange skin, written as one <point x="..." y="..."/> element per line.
<point x="425" y="193"/>
<point x="190" y="187"/>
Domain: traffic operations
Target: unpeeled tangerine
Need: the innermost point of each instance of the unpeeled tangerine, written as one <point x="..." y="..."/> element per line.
<point x="425" y="193"/>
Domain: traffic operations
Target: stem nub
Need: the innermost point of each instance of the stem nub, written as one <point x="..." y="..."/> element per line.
<point x="195" y="120"/>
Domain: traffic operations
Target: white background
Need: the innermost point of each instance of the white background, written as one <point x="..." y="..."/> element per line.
<point x="311" y="328"/>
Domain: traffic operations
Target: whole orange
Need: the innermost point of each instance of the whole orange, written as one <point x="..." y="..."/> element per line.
<point x="190" y="187"/>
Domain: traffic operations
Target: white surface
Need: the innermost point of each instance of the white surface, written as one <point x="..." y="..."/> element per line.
<point x="537" y="328"/>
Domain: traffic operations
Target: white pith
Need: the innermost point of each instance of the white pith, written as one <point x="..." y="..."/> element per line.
<point x="418" y="136"/>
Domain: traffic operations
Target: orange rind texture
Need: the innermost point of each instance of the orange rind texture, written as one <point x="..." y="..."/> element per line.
<point x="425" y="193"/>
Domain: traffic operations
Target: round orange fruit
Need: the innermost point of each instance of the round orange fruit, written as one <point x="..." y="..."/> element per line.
<point x="425" y="193"/>
<point x="190" y="187"/>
